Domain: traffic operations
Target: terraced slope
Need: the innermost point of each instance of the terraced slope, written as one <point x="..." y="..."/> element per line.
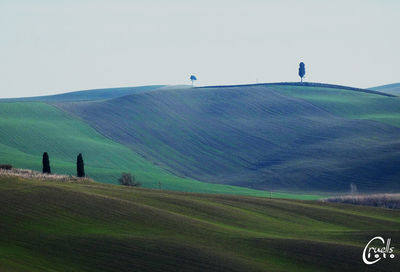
<point x="50" y="226"/>
<point x="27" y="129"/>
<point x="280" y="137"/>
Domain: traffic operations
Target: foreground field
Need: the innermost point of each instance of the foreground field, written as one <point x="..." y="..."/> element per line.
<point x="61" y="226"/>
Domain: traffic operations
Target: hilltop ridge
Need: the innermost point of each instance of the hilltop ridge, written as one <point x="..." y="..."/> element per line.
<point x="306" y="84"/>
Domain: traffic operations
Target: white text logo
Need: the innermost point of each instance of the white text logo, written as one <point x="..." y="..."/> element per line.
<point x="373" y="254"/>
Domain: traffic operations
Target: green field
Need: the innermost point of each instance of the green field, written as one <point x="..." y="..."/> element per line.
<point x="27" y="129"/>
<point x="52" y="226"/>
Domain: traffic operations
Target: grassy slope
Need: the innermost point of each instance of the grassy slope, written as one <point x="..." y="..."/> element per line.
<point x="24" y="136"/>
<point x="260" y="136"/>
<point x="50" y="226"/>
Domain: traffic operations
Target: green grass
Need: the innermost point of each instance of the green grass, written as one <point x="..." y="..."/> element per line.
<point x="350" y="104"/>
<point x="53" y="226"/>
<point x="27" y="129"/>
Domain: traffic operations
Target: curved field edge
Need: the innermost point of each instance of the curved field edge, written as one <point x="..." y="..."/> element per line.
<point x="54" y="226"/>
<point x="27" y="129"/>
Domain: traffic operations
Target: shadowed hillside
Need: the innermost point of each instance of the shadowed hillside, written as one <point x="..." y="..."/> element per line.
<point x="259" y="136"/>
<point x="56" y="226"/>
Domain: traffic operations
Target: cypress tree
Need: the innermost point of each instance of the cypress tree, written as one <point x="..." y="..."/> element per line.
<point x="46" y="163"/>
<point x="80" y="167"/>
<point x="302" y="70"/>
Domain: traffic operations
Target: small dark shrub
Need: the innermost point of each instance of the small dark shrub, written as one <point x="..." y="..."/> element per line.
<point x="6" y="166"/>
<point x="127" y="179"/>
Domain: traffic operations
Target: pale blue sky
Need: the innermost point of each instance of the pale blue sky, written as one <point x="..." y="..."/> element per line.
<point x="51" y="47"/>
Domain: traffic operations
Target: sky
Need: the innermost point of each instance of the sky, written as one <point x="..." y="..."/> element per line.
<point x="49" y="47"/>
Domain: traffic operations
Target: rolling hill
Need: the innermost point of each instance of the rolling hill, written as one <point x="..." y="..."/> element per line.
<point x="299" y="138"/>
<point x="56" y="226"/>
<point x="266" y="136"/>
<point x="27" y="129"/>
<point x="389" y="88"/>
<point x="87" y="95"/>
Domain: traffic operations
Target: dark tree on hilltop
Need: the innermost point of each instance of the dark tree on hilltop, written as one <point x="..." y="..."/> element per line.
<point x="302" y="70"/>
<point x="193" y="78"/>
<point x="46" y="163"/>
<point x="80" y="167"/>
